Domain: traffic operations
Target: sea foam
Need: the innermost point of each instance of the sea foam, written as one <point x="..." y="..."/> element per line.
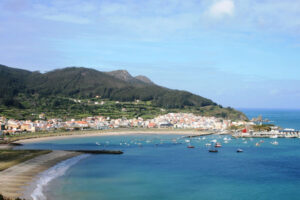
<point x="52" y="173"/>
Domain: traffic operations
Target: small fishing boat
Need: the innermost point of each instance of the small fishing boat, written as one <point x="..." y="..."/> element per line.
<point x="190" y="146"/>
<point x="218" y="145"/>
<point x="274" y="136"/>
<point x="274" y="143"/>
<point x="98" y="144"/>
<point x="257" y="144"/>
<point x="213" y="147"/>
<point x="207" y="144"/>
<point x="239" y="150"/>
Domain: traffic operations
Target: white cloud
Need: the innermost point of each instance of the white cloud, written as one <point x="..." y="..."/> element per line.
<point x="222" y="8"/>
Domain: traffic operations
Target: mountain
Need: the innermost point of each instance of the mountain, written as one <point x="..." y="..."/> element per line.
<point x="125" y="76"/>
<point x="144" y="79"/>
<point x="22" y="89"/>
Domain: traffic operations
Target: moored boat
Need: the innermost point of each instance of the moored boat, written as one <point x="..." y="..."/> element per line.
<point x="218" y="144"/>
<point x="213" y="147"/>
<point x="239" y="150"/>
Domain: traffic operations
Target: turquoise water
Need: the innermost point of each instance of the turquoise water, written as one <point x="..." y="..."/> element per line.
<point x="162" y="167"/>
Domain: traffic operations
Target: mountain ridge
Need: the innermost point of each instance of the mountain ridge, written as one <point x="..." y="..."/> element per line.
<point x="126" y="76"/>
<point x="18" y="86"/>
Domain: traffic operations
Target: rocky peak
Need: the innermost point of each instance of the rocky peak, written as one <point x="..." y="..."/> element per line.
<point x="144" y="79"/>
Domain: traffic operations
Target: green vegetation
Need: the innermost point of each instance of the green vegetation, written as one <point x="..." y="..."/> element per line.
<point x="9" y="158"/>
<point x="25" y="94"/>
<point x="262" y="127"/>
<point x="65" y="108"/>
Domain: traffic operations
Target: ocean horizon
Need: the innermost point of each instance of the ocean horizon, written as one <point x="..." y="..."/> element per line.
<point x="285" y="118"/>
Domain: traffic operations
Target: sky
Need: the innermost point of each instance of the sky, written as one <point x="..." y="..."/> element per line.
<point x="239" y="53"/>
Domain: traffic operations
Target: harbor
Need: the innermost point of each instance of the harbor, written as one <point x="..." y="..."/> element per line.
<point x="285" y="133"/>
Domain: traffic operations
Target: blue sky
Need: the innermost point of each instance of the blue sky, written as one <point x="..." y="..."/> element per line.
<point x="239" y="53"/>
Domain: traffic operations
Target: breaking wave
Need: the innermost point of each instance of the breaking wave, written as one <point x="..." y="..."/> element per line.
<point x="52" y="173"/>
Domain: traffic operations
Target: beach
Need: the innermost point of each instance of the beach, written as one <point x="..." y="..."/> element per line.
<point x="14" y="180"/>
<point x="112" y="132"/>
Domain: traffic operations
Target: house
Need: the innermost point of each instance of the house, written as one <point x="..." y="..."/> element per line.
<point x="27" y="127"/>
<point x="166" y="125"/>
<point x="42" y="116"/>
<point x="151" y="125"/>
<point x="81" y="124"/>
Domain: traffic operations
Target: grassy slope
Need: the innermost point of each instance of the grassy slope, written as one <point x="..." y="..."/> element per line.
<point x="66" y="108"/>
<point x="25" y="94"/>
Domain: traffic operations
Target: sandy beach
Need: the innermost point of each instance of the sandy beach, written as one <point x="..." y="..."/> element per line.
<point x="113" y="132"/>
<point x="14" y="179"/>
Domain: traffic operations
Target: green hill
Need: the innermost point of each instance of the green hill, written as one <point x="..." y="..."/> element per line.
<point x="25" y="94"/>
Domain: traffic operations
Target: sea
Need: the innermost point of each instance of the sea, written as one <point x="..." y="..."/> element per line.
<point x="155" y="167"/>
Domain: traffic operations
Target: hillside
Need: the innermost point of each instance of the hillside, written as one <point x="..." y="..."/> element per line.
<point x="29" y="93"/>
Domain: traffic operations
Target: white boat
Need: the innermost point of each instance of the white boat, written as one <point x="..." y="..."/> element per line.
<point x="274" y="136"/>
<point x="274" y="143"/>
<point x="187" y="141"/>
<point x="97" y="143"/>
<point x="207" y="144"/>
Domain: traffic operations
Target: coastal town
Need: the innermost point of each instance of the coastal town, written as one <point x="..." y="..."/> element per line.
<point x="239" y="128"/>
<point x="170" y="120"/>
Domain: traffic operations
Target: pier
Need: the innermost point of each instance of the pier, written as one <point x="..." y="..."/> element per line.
<point x="269" y="134"/>
<point x="99" y="151"/>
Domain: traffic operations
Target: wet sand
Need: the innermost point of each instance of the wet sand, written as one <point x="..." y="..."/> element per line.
<point x="14" y="179"/>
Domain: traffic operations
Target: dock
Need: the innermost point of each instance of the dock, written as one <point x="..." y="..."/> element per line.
<point x="98" y="151"/>
<point x="270" y="134"/>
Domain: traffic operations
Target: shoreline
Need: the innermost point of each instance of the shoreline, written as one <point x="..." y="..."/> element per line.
<point x="79" y="134"/>
<point x="18" y="180"/>
<point x="15" y="179"/>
